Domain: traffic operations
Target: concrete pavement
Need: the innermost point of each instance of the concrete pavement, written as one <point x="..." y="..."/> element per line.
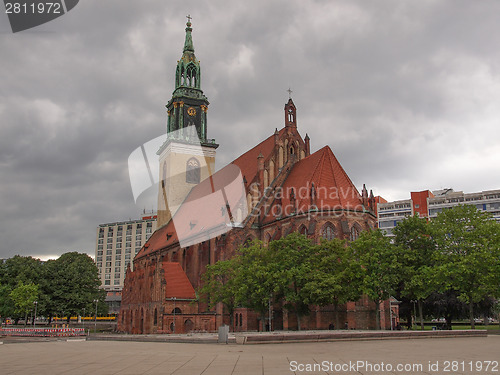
<point x="344" y="357"/>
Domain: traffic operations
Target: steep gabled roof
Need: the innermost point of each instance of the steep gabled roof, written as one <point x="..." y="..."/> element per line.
<point x="333" y="187"/>
<point x="178" y="284"/>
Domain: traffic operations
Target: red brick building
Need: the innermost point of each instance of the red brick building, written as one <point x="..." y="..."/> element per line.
<point x="287" y="189"/>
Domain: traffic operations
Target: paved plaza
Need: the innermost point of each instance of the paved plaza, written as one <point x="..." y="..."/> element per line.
<point x="345" y="357"/>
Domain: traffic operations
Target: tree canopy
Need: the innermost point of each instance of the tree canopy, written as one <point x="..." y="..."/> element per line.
<point x="453" y="260"/>
<point x="64" y="286"/>
<point x="468" y="241"/>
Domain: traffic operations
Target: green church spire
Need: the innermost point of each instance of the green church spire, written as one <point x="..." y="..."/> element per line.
<point x="188" y="44"/>
<point x="188" y="105"/>
<point x="188" y="67"/>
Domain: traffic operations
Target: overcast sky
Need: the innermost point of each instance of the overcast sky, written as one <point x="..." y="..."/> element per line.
<point x="406" y="93"/>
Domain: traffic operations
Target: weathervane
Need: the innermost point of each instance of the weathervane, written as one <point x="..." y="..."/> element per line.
<point x="289" y="93"/>
<point x="189" y="18"/>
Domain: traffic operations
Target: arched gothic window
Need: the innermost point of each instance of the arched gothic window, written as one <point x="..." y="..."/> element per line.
<point x="354" y="233"/>
<point x="191" y="76"/>
<point x="328" y="232"/>
<point x="176" y="311"/>
<point x="248" y="242"/>
<point x="193" y="171"/>
<point x="303" y="230"/>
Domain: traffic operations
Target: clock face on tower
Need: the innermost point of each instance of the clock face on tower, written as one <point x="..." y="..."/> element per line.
<point x="191" y="111"/>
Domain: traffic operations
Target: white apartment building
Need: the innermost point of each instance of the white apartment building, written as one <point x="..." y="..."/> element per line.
<point x="429" y="204"/>
<point x="391" y="213"/>
<point x="488" y="201"/>
<point x="116" y="246"/>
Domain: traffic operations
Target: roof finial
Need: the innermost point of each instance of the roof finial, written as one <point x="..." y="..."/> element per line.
<point x="289" y="93"/>
<point x="189" y="18"/>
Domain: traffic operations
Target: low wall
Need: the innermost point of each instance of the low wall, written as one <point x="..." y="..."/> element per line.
<point x="311" y="336"/>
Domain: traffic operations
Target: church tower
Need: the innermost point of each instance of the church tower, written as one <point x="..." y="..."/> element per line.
<point x="187" y="156"/>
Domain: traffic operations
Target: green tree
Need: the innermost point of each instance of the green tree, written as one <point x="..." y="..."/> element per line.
<point x="6" y="304"/>
<point x="469" y="245"/>
<point x="23" y="297"/>
<point x="253" y="283"/>
<point x="335" y="278"/>
<point x="378" y="259"/>
<point x="13" y="271"/>
<point x="71" y="284"/>
<point x="291" y="267"/>
<point x="19" y="268"/>
<point x="219" y="285"/>
<point x="416" y="257"/>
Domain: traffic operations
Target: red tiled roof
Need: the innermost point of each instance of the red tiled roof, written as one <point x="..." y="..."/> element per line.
<point x="248" y="161"/>
<point x="178" y="284"/>
<point x="161" y="238"/>
<point x="203" y="213"/>
<point x="334" y="189"/>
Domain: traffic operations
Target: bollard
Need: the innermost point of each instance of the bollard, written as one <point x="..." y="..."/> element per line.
<point x="223" y="334"/>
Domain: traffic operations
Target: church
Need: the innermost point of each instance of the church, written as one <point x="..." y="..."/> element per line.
<point x="275" y="188"/>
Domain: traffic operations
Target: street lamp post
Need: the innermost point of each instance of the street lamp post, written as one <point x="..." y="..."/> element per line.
<point x="174" y="313"/>
<point x="95" y="320"/>
<point x="414" y="313"/>
<point x="34" y="321"/>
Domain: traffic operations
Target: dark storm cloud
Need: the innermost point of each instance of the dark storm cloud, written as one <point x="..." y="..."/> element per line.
<point x="404" y="92"/>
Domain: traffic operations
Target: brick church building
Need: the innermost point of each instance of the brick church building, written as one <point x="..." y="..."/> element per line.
<point x="284" y="188"/>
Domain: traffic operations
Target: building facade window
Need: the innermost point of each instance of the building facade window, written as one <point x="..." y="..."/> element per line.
<point x="193" y="172"/>
<point x="328" y="232"/>
<point x="354" y="233"/>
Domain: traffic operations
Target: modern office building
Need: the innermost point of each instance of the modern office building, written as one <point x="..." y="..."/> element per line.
<point x="116" y="246"/>
<point x="488" y="201"/>
<point x="429" y="204"/>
